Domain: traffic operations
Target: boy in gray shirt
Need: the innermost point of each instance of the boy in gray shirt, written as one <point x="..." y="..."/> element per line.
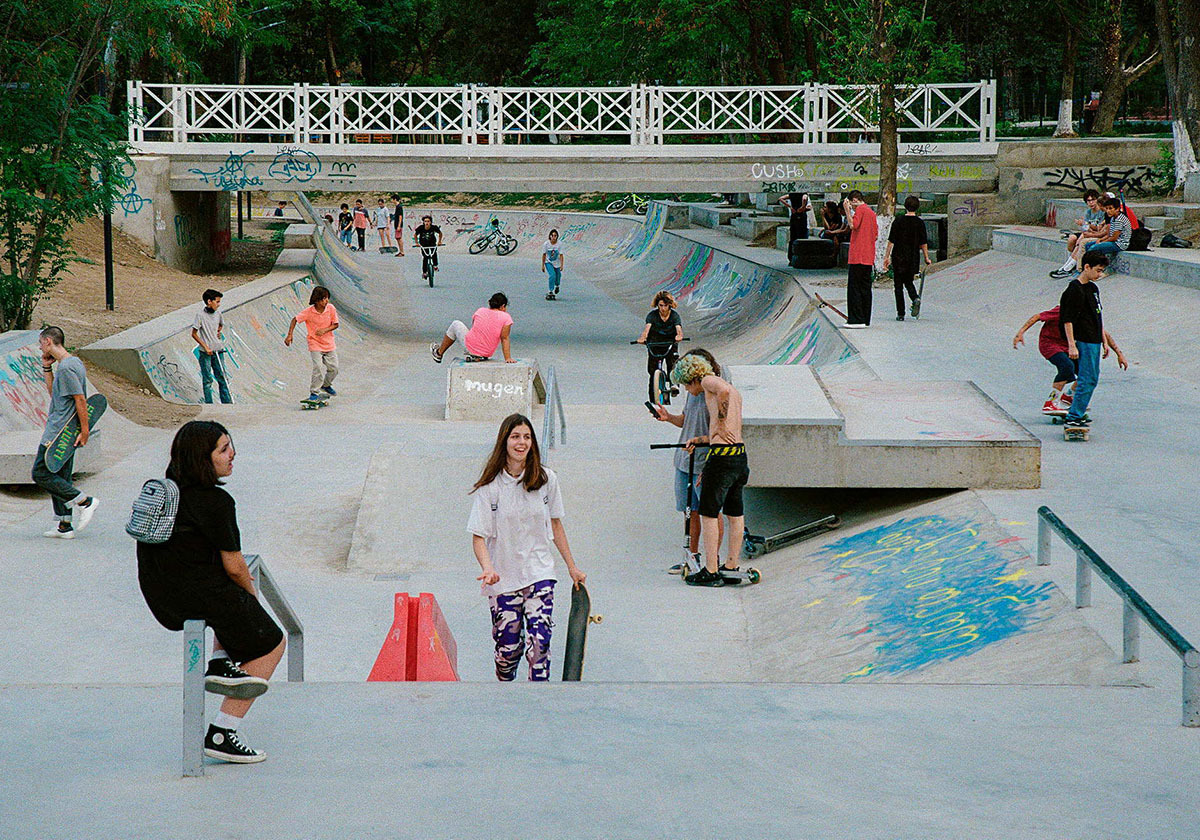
<point x="206" y="332"/>
<point x="68" y="398"/>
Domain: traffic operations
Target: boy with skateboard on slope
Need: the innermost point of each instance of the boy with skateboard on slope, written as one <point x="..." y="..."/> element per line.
<point x="725" y="472"/>
<point x="1087" y="341"/>
<point x="320" y="319"/>
<point x="206" y="332"/>
<point x="68" y="399"/>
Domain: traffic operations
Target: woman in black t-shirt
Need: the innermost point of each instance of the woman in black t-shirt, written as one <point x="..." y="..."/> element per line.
<point x="661" y="335"/>
<point x="833" y="224"/>
<point x="200" y="573"/>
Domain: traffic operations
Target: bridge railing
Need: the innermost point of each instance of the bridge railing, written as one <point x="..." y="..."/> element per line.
<point x="636" y="115"/>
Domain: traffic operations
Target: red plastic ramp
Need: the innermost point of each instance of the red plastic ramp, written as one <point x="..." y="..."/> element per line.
<point x="419" y="646"/>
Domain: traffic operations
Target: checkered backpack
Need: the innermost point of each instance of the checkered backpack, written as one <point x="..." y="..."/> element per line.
<point x="152" y="518"/>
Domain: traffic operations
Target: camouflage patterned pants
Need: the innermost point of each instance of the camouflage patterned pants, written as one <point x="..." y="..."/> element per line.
<point x="515" y="615"/>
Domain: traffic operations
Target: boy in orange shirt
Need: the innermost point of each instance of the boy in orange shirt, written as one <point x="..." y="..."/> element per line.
<point x="320" y="319"/>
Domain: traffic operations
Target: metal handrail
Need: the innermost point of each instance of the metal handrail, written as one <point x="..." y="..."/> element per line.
<point x="553" y="405"/>
<point x="1136" y="609"/>
<point x="193" y="662"/>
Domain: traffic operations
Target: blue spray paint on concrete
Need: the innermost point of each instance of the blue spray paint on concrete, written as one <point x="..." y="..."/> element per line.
<point x="935" y="590"/>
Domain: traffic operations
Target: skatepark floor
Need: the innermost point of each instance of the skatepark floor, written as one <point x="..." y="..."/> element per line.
<point x="675" y="734"/>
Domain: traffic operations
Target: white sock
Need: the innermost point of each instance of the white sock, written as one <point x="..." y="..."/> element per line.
<point x="226" y="721"/>
<point x="219" y="653"/>
<point x="1069" y="265"/>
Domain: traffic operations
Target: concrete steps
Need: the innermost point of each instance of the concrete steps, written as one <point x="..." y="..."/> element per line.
<point x="708" y="216"/>
<point x="752" y="227"/>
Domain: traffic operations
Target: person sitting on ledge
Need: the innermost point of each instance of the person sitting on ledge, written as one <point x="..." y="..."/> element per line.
<point x="490" y="326"/>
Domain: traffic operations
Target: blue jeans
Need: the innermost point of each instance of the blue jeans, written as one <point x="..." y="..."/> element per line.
<point x="1109" y="249"/>
<point x="553" y="276"/>
<point x="213" y="367"/>
<point x="58" y="485"/>
<point x="1089" y="375"/>
<point x="347" y="237"/>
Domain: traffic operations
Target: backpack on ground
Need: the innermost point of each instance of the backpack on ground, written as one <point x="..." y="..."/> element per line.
<point x="1170" y="240"/>
<point x="152" y="518"/>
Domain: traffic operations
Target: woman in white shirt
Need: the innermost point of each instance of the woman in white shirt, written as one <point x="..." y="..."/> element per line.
<point x="516" y="515"/>
<point x="552" y="264"/>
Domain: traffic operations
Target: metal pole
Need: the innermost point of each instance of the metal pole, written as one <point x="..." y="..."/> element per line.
<point x="1083" y="581"/>
<point x="1131" y="624"/>
<point x="239" y="214"/>
<point x="109" y="294"/>
<point x="1191" y="688"/>
<point x="1043" y="542"/>
<point x="193" y="697"/>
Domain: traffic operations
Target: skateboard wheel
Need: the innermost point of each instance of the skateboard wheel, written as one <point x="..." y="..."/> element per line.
<point x="596" y="619"/>
<point x="753" y="575"/>
<point x="753" y="549"/>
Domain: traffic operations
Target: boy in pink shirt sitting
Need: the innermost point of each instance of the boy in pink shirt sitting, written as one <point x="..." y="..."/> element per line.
<point x="490" y="326"/>
<point x="320" y="319"/>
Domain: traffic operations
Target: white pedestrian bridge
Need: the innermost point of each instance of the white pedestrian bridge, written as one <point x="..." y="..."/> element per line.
<point x="551" y="139"/>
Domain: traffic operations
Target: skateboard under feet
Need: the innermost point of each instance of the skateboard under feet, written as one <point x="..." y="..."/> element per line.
<point x="1075" y="432"/>
<point x="311" y="404"/>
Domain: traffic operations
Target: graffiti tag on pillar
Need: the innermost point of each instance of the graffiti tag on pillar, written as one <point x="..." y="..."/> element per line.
<point x="342" y="170"/>
<point x="859" y="169"/>
<point x="920" y="149"/>
<point x="233" y="174"/>
<point x="292" y="164"/>
<point x="1132" y="179"/>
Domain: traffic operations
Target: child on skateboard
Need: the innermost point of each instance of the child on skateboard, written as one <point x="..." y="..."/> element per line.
<point x="320" y="319"/>
<point x="1052" y="343"/>
<point x="725" y="472"/>
<point x="552" y="264"/>
<point x="491" y="325"/>
<point x="516" y="514"/>
<point x="1087" y="340"/>
<point x="68" y="399"/>
<point x="207" y="328"/>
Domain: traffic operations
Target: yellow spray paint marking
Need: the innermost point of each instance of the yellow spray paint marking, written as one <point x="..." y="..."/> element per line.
<point x="1012" y="578"/>
<point x="813" y="603"/>
<point x="860" y="599"/>
<point x="862" y="672"/>
<point x="1014" y="523"/>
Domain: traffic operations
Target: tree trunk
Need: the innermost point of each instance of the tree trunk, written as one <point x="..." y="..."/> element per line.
<point x="332" y="73"/>
<point x="1066" y="96"/>
<point x="888" y="135"/>
<point x="1178" y="39"/>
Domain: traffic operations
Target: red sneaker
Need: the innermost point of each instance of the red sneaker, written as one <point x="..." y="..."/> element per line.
<point x="1053" y="409"/>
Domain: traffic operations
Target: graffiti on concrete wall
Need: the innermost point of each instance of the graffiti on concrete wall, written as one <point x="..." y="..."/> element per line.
<point x="233" y="174"/>
<point x="187" y="230"/>
<point x="1131" y="179"/>
<point x="293" y="164"/>
<point x="23" y="397"/>
<point x="934" y="589"/>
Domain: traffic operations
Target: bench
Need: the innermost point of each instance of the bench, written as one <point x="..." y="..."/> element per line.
<point x="194" y="662"/>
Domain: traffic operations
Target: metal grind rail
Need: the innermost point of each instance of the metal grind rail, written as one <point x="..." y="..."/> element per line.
<point x="194" y="662"/>
<point x="553" y="406"/>
<point x="1136" y="609"/>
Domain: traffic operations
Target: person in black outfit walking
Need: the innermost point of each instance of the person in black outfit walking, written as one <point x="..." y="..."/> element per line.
<point x="908" y="242"/>
<point x="200" y="573"/>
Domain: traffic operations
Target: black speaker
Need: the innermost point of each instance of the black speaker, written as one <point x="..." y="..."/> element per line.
<point x="813" y="253"/>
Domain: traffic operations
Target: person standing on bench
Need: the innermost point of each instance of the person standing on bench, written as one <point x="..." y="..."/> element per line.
<point x="200" y="573"/>
<point x="908" y="241"/>
<point x="864" y="229"/>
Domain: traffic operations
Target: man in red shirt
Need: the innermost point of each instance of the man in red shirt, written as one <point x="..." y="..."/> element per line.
<point x="864" y="228"/>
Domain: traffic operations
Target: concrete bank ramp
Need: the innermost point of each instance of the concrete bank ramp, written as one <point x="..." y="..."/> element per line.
<point x="161" y="354"/>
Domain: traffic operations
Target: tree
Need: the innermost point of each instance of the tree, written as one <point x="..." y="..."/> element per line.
<point x="61" y="150"/>
<point x="1178" y="23"/>
<point x="1066" y="94"/>
<point x="1124" y="35"/>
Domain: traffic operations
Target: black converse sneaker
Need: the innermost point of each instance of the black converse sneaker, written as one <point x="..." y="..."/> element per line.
<point x="224" y="677"/>
<point x="225" y="745"/>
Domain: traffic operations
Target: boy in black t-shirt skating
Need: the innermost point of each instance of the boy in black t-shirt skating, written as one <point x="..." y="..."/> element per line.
<point x="1082" y="321"/>
<point x="908" y="241"/>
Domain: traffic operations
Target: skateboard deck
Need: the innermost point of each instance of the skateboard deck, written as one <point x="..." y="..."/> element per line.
<point x="577" y="627"/>
<point x="308" y="404"/>
<point x="63" y="445"/>
<point x="916" y="304"/>
<point x="1075" y="432"/>
<point x="821" y="302"/>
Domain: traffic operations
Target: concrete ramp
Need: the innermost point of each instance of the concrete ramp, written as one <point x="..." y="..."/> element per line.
<point x="803" y="432"/>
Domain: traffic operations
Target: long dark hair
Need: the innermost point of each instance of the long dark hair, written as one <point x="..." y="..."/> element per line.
<point x="191" y="454"/>
<point x="534" y="477"/>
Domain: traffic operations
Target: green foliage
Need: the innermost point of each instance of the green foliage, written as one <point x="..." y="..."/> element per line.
<point x="62" y="153"/>
<point x="1162" y="173"/>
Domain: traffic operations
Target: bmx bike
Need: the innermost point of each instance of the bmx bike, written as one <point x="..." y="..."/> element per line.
<point x="429" y="264"/>
<point x="639" y="202"/>
<point x="493" y="238"/>
<point x="660" y="387"/>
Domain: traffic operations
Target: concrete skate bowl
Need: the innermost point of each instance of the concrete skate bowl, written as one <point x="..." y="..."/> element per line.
<point x="755" y="314"/>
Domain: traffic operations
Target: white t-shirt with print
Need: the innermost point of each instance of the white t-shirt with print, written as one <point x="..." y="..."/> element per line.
<point x="554" y="255"/>
<point x="515" y="523"/>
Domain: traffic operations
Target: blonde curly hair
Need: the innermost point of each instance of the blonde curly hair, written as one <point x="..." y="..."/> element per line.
<point x="691" y="369"/>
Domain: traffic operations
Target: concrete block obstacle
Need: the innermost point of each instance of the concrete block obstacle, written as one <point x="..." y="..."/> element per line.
<point x="752" y="227"/>
<point x="419" y="646"/>
<point x="703" y="215"/>
<point x="24" y="403"/>
<point x="801" y="431"/>
<point x="492" y="390"/>
<point x="299" y="235"/>
<point x="1179" y="267"/>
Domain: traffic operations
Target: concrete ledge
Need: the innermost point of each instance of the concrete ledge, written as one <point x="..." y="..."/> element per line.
<point x="19" y="449"/>
<point x="675" y="214"/>
<point x="492" y="390"/>
<point x="712" y="217"/>
<point x="1179" y="267"/>
<point x="752" y="227"/>
<point x="299" y="236"/>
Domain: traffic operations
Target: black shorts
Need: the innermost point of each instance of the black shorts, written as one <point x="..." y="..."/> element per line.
<point x="721" y="484"/>
<point x="175" y="593"/>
